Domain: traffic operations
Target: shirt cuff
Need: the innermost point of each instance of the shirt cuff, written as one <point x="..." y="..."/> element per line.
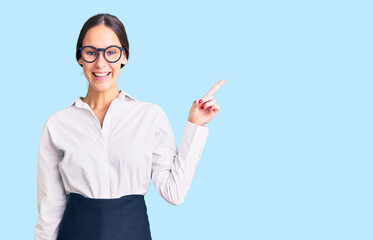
<point x="193" y="139"/>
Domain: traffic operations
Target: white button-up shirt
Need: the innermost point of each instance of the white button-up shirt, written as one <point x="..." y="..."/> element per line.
<point x="135" y="144"/>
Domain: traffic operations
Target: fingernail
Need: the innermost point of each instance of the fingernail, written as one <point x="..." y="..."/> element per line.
<point x="200" y="101"/>
<point x="210" y="107"/>
<point x="202" y="107"/>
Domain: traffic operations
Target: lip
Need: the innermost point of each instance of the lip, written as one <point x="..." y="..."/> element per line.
<point x="101" y="78"/>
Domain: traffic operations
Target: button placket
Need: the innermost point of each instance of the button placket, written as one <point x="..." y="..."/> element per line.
<point x="105" y="139"/>
<point x="104" y="173"/>
<point x="103" y="135"/>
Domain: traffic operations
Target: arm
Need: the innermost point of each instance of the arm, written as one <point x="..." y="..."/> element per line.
<point x="51" y="196"/>
<point x="173" y="170"/>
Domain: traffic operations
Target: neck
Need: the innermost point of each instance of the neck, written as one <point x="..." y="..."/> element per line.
<point x="100" y="100"/>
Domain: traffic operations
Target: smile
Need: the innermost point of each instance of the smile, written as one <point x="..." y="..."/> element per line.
<point x="101" y="74"/>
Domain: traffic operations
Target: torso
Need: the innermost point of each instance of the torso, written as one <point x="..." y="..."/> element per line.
<point x="100" y="115"/>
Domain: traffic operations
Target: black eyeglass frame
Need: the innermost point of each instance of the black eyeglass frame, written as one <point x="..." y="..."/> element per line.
<point x="98" y="53"/>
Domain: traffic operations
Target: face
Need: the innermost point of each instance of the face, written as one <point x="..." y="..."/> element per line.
<point x="101" y="74"/>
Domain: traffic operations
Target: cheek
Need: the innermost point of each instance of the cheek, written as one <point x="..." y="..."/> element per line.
<point x="87" y="67"/>
<point x="87" y="71"/>
<point x="116" y="69"/>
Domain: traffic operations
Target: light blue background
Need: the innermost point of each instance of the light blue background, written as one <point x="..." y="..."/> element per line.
<point x="289" y="156"/>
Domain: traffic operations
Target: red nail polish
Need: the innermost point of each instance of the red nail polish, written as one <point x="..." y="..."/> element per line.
<point x="202" y="107"/>
<point x="210" y="107"/>
<point x="200" y="101"/>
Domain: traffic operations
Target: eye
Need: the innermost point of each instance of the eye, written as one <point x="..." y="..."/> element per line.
<point x="111" y="52"/>
<point x="91" y="53"/>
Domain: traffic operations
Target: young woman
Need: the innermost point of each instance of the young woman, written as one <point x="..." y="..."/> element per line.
<point x="98" y="155"/>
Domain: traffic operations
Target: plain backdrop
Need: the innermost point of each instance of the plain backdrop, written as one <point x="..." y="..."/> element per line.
<point x="289" y="156"/>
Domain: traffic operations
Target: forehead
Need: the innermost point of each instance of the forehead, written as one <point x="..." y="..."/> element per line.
<point x="100" y="37"/>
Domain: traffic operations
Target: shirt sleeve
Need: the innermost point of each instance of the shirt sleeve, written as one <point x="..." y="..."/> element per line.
<point x="51" y="196"/>
<point x="173" y="169"/>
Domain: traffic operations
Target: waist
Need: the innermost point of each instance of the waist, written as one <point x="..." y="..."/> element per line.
<point x="128" y="204"/>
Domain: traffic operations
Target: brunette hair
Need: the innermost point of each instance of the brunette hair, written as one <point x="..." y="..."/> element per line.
<point x="109" y="21"/>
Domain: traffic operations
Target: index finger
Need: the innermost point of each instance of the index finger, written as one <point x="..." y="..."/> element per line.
<point x="215" y="88"/>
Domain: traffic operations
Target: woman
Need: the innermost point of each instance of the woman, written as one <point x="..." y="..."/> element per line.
<point x="98" y="155"/>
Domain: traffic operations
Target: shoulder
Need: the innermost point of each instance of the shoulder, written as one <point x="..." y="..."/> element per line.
<point x="59" y="117"/>
<point x="140" y="105"/>
<point x="147" y="108"/>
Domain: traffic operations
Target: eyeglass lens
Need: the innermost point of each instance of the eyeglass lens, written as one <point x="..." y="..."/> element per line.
<point x="112" y="54"/>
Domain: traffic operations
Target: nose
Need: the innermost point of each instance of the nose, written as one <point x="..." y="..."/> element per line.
<point x="100" y="61"/>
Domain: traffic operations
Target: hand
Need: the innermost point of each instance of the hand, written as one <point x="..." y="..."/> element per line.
<point x="205" y="109"/>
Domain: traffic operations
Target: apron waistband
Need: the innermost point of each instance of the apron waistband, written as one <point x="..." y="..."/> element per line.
<point x="128" y="204"/>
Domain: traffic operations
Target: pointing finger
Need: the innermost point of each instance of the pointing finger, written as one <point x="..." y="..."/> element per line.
<point x="215" y="88"/>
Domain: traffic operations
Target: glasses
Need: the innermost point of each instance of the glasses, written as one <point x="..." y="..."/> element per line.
<point x="112" y="53"/>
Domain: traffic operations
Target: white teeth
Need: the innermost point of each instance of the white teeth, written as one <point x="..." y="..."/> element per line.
<point x="101" y="74"/>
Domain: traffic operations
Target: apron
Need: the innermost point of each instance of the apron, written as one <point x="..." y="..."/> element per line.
<point x="123" y="218"/>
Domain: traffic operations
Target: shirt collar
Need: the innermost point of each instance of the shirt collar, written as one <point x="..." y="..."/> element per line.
<point x="123" y="97"/>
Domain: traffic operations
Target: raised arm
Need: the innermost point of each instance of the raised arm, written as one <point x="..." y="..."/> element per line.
<point x="173" y="170"/>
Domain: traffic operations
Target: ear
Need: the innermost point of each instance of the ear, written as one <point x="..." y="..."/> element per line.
<point x="80" y="61"/>
<point x="124" y="58"/>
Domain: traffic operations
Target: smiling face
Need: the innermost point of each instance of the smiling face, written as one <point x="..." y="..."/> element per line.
<point x="102" y="75"/>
